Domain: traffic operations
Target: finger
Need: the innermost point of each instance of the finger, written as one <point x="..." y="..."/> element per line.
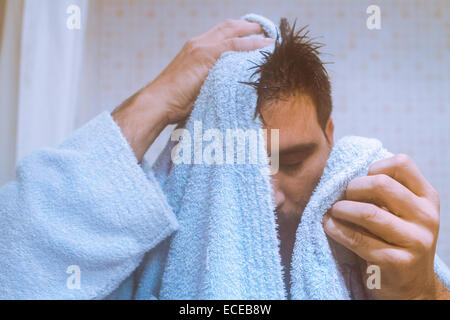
<point x="244" y="44"/>
<point x="232" y="28"/>
<point x="377" y="221"/>
<point x="384" y="191"/>
<point x="405" y="171"/>
<point x="360" y="242"/>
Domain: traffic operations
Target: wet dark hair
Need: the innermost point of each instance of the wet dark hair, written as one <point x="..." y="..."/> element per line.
<point x="293" y="66"/>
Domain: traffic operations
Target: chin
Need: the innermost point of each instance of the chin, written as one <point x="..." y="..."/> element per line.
<point x="290" y="215"/>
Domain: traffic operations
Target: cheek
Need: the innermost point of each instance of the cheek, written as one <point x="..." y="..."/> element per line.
<point x="299" y="185"/>
<point x="317" y="166"/>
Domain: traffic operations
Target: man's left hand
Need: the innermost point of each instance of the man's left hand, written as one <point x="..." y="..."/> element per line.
<point x="390" y="218"/>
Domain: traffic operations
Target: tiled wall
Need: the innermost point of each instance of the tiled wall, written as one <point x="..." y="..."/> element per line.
<point x="392" y="83"/>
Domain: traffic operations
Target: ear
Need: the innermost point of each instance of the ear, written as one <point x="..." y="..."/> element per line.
<point x="329" y="131"/>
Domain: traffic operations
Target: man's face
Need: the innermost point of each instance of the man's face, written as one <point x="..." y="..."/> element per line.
<point x="303" y="149"/>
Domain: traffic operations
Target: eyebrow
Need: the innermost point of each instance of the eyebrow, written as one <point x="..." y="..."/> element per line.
<point x="299" y="148"/>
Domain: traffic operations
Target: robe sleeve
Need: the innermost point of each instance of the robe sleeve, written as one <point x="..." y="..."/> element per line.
<point x="78" y="219"/>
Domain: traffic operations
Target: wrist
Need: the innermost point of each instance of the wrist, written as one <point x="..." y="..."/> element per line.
<point x="432" y="290"/>
<point x="440" y="291"/>
<point x="153" y="106"/>
<point x="141" y="118"/>
<point x="154" y="102"/>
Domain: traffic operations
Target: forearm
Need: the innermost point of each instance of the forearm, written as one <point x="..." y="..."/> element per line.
<point x="141" y="118"/>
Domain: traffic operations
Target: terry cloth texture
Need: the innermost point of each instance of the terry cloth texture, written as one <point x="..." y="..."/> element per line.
<point x="227" y="245"/>
<point x="85" y="221"/>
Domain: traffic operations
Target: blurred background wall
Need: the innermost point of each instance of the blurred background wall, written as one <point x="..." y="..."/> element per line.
<point x="392" y="84"/>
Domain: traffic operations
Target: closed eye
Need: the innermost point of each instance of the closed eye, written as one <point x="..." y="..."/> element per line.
<point x="291" y="167"/>
<point x="293" y="158"/>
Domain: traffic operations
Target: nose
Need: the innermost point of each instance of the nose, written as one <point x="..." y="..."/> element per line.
<point x="278" y="195"/>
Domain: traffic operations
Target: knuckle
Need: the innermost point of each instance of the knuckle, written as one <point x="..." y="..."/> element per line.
<point x="418" y="243"/>
<point x="402" y="160"/>
<point x="192" y="44"/>
<point x="422" y="240"/>
<point x="374" y="165"/>
<point x="232" y="44"/>
<point x="434" y="220"/>
<point x="429" y="213"/>
<point x="425" y="243"/>
<point x="381" y="182"/>
<point x="371" y="213"/>
<point x="404" y="260"/>
<point x="227" y="23"/>
<point x="435" y="197"/>
<point x="390" y="258"/>
<point x="356" y="239"/>
<point x="198" y="51"/>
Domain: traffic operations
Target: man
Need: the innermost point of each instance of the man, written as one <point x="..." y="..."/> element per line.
<point x="390" y="217"/>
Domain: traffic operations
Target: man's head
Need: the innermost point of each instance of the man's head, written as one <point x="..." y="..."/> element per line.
<point x="294" y="96"/>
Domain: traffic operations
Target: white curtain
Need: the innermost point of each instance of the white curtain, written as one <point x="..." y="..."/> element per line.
<point x="50" y="75"/>
<point x="41" y="63"/>
<point x="10" y="30"/>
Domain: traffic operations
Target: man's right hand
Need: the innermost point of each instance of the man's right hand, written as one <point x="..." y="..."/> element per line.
<point x="170" y="97"/>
